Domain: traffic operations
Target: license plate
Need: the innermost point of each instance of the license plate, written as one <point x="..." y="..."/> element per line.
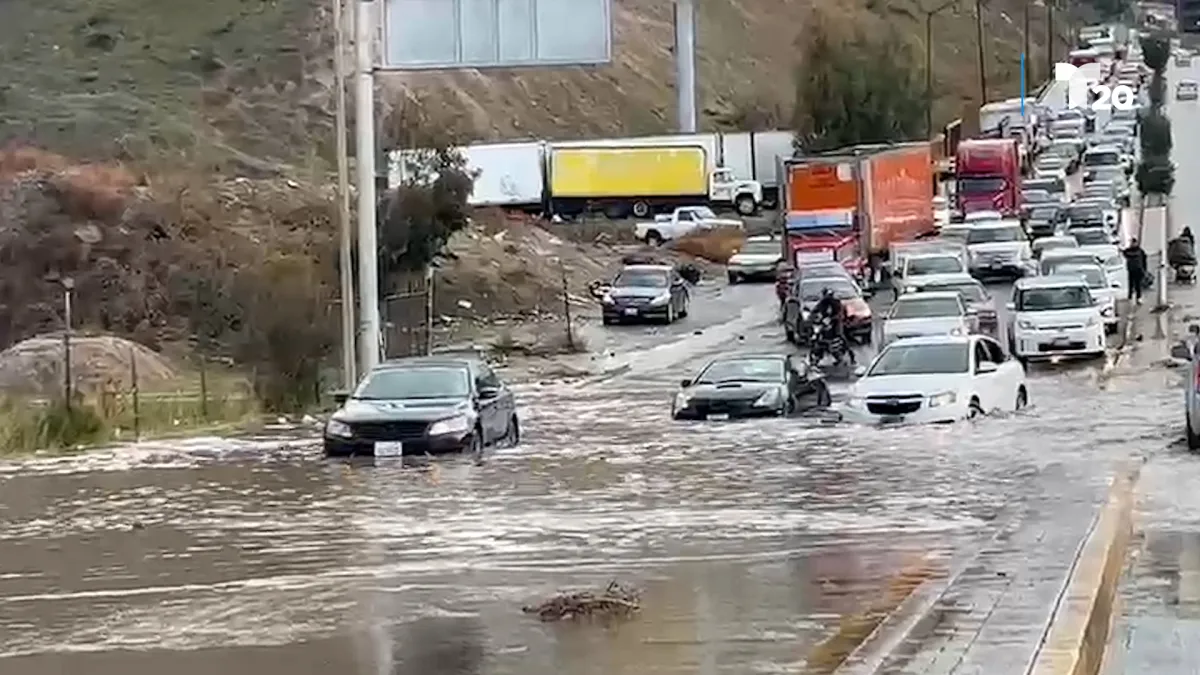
<point x="718" y="416"/>
<point x="631" y="311"/>
<point x="389" y="449"/>
<point x="891" y="419"/>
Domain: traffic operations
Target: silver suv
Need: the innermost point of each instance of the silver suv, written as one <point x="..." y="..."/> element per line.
<point x="1189" y="351"/>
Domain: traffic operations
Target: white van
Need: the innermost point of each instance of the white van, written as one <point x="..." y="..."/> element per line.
<point x="1055" y="315"/>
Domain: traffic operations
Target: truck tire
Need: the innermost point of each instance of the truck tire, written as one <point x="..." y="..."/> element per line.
<point x="654" y="238"/>
<point x="641" y="209"/>
<point x="746" y="205"/>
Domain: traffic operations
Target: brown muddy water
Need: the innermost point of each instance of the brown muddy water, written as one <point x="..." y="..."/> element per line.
<point x="749" y="540"/>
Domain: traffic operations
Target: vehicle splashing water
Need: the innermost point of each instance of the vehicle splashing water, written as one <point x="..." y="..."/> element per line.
<point x="748" y="539"/>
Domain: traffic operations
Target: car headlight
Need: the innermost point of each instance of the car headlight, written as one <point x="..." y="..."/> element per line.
<point x="662" y="299"/>
<point x="856" y="401"/>
<point x="338" y="428"/>
<point x="768" y="399"/>
<point x="944" y="398"/>
<point x="452" y="425"/>
<point x="910" y="289"/>
<point x="607" y="299"/>
<point x="1027" y="325"/>
<point x="681" y="400"/>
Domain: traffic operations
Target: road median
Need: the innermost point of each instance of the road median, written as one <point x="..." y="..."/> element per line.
<point x="1077" y="635"/>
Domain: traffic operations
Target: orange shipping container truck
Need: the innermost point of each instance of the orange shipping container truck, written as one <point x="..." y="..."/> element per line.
<point x="879" y="194"/>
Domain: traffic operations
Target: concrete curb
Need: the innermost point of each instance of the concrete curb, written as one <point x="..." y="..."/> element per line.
<point x="1076" y="637"/>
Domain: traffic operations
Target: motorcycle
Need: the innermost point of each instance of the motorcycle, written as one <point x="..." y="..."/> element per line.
<point x="1181" y="255"/>
<point x="826" y="342"/>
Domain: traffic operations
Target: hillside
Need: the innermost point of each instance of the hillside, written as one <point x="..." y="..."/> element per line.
<point x="248" y="81"/>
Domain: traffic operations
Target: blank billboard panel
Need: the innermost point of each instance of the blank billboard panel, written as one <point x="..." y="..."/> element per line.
<point x="448" y="34"/>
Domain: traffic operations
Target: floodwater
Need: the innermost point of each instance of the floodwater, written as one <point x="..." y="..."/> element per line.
<point x="748" y="540"/>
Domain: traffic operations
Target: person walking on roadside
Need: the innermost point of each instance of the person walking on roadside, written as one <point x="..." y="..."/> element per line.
<point x="1135" y="264"/>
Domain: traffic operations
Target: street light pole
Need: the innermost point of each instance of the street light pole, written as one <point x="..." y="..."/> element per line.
<point x="1027" y="61"/>
<point x="979" y="46"/>
<point x="929" y="14"/>
<point x="370" y="340"/>
<point x="1050" y="38"/>
<point x="345" y="259"/>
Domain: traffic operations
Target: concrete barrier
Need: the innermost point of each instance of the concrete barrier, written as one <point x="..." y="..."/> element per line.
<point x="1077" y="635"/>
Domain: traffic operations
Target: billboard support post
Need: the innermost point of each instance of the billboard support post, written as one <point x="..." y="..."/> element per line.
<point x="370" y="341"/>
<point x="685" y="64"/>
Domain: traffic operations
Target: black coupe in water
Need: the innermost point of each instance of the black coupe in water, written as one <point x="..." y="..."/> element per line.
<point x="750" y="386"/>
<point x="424" y="405"/>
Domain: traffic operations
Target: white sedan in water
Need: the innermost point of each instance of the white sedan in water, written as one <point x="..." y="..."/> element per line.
<point x="936" y="379"/>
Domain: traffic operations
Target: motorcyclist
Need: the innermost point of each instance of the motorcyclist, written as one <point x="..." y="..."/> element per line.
<point x="1181" y="251"/>
<point x="830" y="307"/>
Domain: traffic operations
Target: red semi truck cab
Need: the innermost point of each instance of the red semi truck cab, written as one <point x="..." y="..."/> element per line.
<point x="988" y="176"/>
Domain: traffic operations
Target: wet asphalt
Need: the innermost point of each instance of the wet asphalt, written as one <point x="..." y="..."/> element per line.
<point x="1157" y="628"/>
<point x="748" y="540"/>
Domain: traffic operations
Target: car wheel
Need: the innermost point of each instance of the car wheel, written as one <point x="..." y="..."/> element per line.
<point x="475" y="443"/>
<point x="607" y="321"/>
<point x="975" y="410"/>
<point x="653" y="238"/>
<point x="789" y="334"/>
<point x="824" y="398"/>
<point x="641" y="209"/>
<point x="734" y="278"/>
<point x="746" y="205"/>
<point x="512" y="435"/>
<point x="1022" y="398"/>
<point x="1193" y="439"/>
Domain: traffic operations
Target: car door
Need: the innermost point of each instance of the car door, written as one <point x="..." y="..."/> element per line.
<point x="493" y="417"/>
<point x="1010" y="374"/>
<point x="985" y="383"/>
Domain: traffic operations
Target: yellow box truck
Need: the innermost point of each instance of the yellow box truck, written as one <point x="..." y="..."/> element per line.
<point x="636" y="180"/>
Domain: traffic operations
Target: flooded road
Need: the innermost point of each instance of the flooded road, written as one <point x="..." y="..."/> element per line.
<point x="749" y="540"/>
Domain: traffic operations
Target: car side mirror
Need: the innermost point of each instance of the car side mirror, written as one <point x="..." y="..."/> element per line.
<point x="486" y="393"/>
<point x="1181" y="351"/>
<point x="860" y="371"/>
<point x="598" y="289"/>
<point x="685" y="383"/>
<point x="985" y="367"/>
<point x="340" y="398"/>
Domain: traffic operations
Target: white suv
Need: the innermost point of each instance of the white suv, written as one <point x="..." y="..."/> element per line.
<point x="1055" y="315"/>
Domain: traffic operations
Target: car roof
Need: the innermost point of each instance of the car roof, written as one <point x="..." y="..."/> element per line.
<point x="928" y="294"/>
<point x="932" y="340"/>
<point x="636" y="267"/>
<point x="434" y="361"/>
<point x="1102" y="148"/>
<point x="943" y="280"/>
<point x="748" y="357"/>
<point x="1050" y="281"/>
<point x="996" y="224"/>
<point x="933" y="254"/>
<point x="826" y="277"/>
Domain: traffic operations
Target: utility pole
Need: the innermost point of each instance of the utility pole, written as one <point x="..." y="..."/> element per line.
<point x="979" y="45"/>
<point x="685" y="64"/>
<point x="929" y="14"/>
<point x="1050" y="37"/>
<point x="349" y="375"/>
<point x="370" y="338"/>
<point x="1027" y="61"/>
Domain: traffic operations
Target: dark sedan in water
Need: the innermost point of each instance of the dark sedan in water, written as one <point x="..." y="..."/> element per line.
<point x="750" y="386"/>
<point x="645" y="293"/>
<point x="424" y="405"/>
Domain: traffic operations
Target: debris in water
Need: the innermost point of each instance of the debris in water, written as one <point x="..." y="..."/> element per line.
<point x="616" y="601"/>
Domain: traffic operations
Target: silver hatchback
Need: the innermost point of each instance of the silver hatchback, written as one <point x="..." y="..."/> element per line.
<point x="1189" y="351"/>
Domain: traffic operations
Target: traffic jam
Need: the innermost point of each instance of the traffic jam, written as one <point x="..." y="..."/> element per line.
<point x="915" y="282"/>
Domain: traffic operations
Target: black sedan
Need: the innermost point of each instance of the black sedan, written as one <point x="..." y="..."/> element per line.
<point x="423" y="405"/>
<point x="644" y="292"/>
<point x="750" y="386"/>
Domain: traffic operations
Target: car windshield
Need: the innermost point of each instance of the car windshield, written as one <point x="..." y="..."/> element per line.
<point x="742" y="370"/>
<point x="823" y="270"/>
<point x="980" y="186"/>
<point x="1086" y="213"/>
<point x="1039" y="184"/>
<point x="917" y="307"/>
<point x="810" y="290"/>
<point x="1044" y="213"/>
<point x="641" y="279"/>
<point x="969" y="291"/>
<point x="1044" y="245"/>
<point x="921" y="360"/>
<point x="1102" y="158"/>
<point x="1064" y="149"/>
<point x="988" y="235"/>
<point x="942" y="264"/>
<point x="760" y="248"/>
<point x="1090" y="273"/>
<point x="414" y="382"/>
<point x="1080" y="258"/>
<point x="1071" y="131"/>
<point x="1036" y="196"/>
<point x="1047" y="299"/>
<point x="1091" y="237"/>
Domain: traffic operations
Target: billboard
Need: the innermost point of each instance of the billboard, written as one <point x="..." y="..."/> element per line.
<point x="449" y="34"/>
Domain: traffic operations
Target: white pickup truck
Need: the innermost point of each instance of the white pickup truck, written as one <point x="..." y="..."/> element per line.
<point x="683" y="221"/>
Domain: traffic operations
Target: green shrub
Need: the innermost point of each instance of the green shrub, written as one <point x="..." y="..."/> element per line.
<point x="1156" y="51"/>
<point x="1155" y="131"/>
<point x="53" y="426"/>
<point x="1155" y="175"/>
